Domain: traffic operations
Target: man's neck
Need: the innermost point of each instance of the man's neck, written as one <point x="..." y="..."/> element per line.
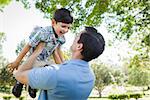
<point x="76" y="56"/>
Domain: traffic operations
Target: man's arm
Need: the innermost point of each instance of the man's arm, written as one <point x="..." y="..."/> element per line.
<point x="22" y="73"/>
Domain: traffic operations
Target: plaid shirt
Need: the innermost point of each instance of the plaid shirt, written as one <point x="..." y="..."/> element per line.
<point x="47" y="35"/>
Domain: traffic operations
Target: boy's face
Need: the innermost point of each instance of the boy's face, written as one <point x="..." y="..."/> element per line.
<point x="60" y="28"/>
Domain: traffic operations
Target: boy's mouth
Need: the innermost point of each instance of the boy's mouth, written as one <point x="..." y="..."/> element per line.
<point x="61" y="32"/>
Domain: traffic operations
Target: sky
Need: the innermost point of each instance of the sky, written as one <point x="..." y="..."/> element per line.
<point x="17" y="22"/>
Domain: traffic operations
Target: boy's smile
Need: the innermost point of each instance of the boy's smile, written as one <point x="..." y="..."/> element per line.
<point x="60" y="28"/>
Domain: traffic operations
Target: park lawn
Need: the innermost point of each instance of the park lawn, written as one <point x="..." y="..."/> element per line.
<point x="27" y="97"/>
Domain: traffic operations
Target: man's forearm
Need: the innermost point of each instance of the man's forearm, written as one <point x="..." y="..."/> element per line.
<point x="28" y="64"/>
<point x="22" y="73"/>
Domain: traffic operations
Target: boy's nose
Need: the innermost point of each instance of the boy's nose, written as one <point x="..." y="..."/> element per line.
<point x="66" y="30"/>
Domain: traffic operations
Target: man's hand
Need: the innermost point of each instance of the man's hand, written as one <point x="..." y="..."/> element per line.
<point x="12" y="66"/>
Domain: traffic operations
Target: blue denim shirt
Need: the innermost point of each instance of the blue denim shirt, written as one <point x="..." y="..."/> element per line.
<point x="73" y="80"/>
<point x="45" y="34"/>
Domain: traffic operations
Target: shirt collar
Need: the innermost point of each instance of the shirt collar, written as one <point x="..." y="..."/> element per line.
<point x="54" y="33"/>
<point x="77" y="62"/>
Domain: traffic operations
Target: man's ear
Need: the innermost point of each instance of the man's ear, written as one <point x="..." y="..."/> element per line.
<point x="80" y="46"/>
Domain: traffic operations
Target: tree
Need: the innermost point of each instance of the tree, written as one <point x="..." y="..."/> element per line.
<point x="2" y="59"/>
<point x="127" y="17"/>
<point x="3" y="3"/>
<point x="84" y="12"/>
<point x="139" y="72"/>
<point x="5" y="77"/>
<point x="122" y="16"/>
<point x="119" y="76"/>
<point x="102" y="76"/>
<point x="106" y="75"/>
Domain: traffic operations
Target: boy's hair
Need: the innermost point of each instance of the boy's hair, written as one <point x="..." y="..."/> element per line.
<point x="63" y="15"/>
<point x="93" y="43"/>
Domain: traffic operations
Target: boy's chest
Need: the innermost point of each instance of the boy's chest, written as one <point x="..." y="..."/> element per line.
<point x="51" y="44"/>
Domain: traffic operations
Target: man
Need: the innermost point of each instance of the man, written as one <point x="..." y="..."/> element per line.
<point x="53" y="36"/>
<point x="72" y="80"/>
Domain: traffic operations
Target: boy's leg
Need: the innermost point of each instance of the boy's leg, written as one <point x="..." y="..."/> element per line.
<point x="17" y="89"/>
<point x="32" y="92"/>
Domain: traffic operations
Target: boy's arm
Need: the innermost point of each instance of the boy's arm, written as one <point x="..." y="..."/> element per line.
<point x="16" y="63"/>
<point x="58" y="56"/>
<point x="23" y="53"/>
<point x="22" y="73"/>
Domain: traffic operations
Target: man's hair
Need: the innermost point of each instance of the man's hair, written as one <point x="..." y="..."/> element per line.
<point x="93" y="43"/>
<point x="63" y="15"/>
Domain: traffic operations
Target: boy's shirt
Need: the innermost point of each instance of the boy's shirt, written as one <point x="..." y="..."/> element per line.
<point x="47" y="35"/>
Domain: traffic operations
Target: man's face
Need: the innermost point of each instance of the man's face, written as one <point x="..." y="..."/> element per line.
<point x="60" y="28"/>
<point x="75" y="42"/>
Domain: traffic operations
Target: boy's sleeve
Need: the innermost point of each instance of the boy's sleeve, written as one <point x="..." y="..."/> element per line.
<point x="37" y="35"/>
<point x="43" y="78"/>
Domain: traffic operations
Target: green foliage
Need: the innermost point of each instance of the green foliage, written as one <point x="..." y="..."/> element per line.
<point x="2" y="39"/>
<point x="146" y="40"/>
<point x="139" y="72"/>
<point x="5" y="77"/>
<point x="136" y="96"/>
<point x="5" y="89"/>
<point x="125" y="96"/>
<point x="115" y="96"/>
<point x="7" y="97"/>
<point x="119" y="76"/>
<point x="123" y="17"/>
<point x="26" y="3"/>
<point x="84" y="12"/>
<point x="67" y="55"/>
<point x="3" y="3"/>
<point x="130" y="17"/>
<point x="21" y="98"/>
<point x="106" y="75"/>
<point x="20" y="46"/>
<point x="139" y="77"/>
<point x="102" y="76"/>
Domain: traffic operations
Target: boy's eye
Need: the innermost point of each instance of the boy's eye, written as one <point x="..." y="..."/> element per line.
<point x="65" y="27"/>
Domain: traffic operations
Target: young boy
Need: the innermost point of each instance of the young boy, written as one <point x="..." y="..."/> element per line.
<point x="53" y="38"/>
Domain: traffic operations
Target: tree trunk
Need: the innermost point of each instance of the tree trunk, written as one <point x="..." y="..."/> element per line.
<point x="99" y="93"/>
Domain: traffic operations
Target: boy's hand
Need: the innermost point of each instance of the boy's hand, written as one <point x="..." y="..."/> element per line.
<point x="12" y="66"/>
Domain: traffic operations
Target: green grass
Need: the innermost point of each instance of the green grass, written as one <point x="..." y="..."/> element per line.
<point x="27" y="97"/>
